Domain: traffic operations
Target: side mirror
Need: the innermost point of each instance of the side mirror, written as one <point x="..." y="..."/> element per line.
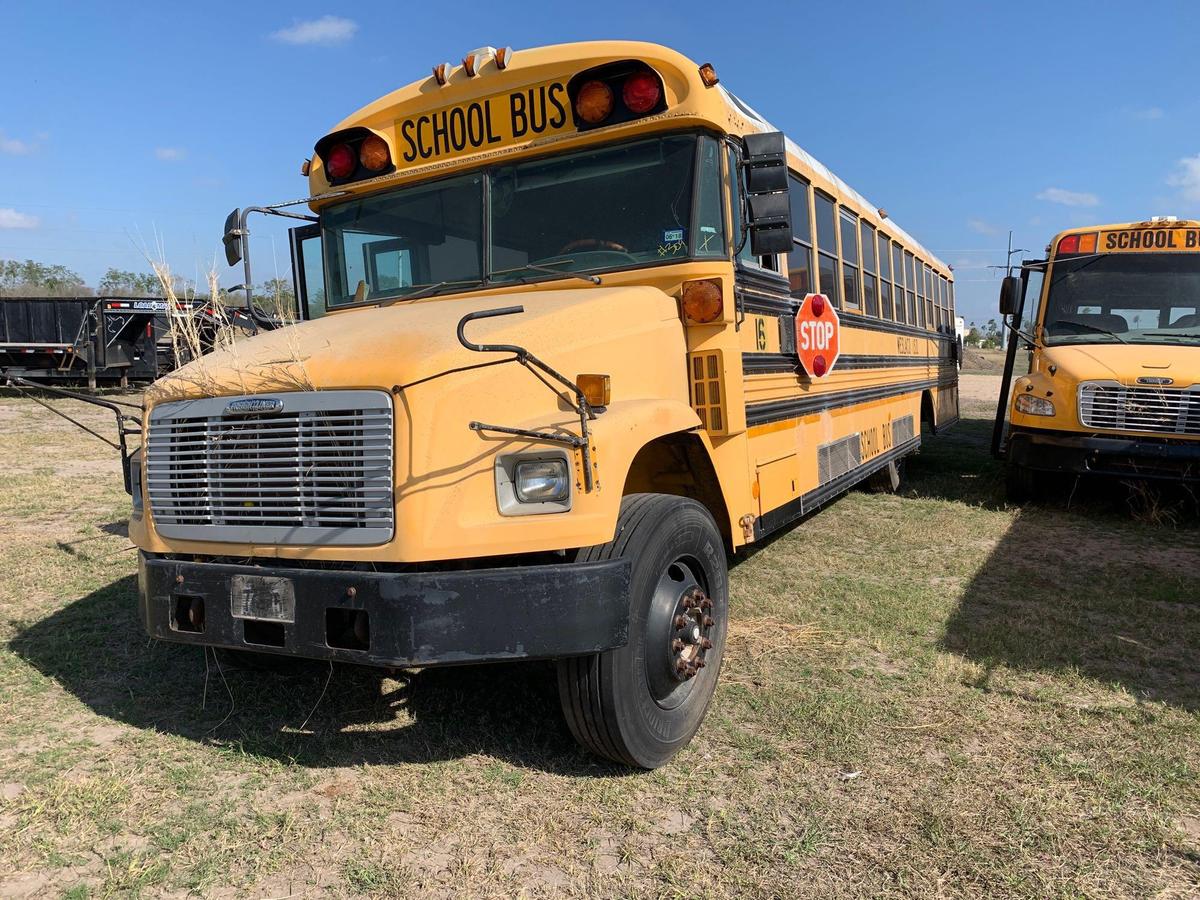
<point x="1010" y="295"/>
<point x="769" y="213"/>
<point x="232" y="238"/>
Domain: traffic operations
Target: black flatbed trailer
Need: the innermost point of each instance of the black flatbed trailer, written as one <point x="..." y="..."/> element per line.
<point x="97" y="339"/>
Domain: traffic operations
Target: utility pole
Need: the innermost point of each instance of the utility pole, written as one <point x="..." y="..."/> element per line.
<point x="1008" y="267"/>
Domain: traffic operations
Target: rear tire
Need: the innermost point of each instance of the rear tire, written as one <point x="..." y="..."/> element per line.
<point x="641" y="703"/>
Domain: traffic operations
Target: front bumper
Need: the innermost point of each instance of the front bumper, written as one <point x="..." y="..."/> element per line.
<point x="1090" y="454"/>
<point x="397" y="618"/>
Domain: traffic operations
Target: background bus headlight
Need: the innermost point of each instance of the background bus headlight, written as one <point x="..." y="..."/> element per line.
<point x="542" y="480"/>
<point x="1034" y="406"/>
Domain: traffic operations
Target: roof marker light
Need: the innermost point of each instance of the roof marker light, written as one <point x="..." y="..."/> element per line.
<point x="503" y="57"/>
<point x="708" y="75"/>
<point x="441" y="72"/>
<point x="469" y="64"/>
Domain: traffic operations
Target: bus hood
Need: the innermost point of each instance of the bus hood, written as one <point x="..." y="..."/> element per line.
<point x="386" y="347"/>
<point x="1125" y="363"/>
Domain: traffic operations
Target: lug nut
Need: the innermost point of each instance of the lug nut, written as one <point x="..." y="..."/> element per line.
<point x="700" y="664"/>
<point x="709" y="621"/>
<point x="706" y="603"/>
<point x="691" y="673"/>
<point x="688" y="602"/>
<point x="706" y="644"/>
<point x="681" y="667"/>
<point x="680" y="621"/>
<point x="677" y="645"/>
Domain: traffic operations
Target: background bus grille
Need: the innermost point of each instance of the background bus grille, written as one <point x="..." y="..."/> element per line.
<point x="318" y="470"/>
<point x="1157" y="410"/>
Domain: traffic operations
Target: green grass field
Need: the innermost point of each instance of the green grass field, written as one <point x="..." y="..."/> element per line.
<point x="925" y="695"/>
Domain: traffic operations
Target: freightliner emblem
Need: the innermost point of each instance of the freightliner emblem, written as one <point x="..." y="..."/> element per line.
<point x="248" y="405"/>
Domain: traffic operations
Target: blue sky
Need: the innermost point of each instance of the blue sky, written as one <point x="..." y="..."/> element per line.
<point x="124" y="127"/>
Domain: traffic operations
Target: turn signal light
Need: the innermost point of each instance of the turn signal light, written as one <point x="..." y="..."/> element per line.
<point x="702" y="300"/>
<point x="594" y="103"/>
<point x="374" y="154"/>
<point x="596" y="388"/>
<point x="341" y="162"/>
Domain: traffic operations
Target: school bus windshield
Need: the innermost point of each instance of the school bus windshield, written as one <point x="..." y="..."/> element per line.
<point x="1144" y="298"/>
<point x="634" y="204"/>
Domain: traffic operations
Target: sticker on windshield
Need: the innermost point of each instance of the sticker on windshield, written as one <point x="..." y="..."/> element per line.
<point x="673" y="236"/>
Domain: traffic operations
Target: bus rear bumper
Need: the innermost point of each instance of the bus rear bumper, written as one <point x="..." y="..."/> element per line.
<point x="395" y="619"/>
<point x="1090" y="454"/>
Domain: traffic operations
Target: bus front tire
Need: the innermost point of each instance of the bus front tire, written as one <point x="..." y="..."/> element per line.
<point x="640" y="704"/>
<point x="1021" y="483"/>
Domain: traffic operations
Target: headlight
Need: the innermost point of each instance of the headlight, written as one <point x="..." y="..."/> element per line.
<point x="1034" y="406"/>
<point x="542" y="481"/>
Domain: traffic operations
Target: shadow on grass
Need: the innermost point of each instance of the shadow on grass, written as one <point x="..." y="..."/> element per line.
<point x="1061" y="593"/>
<point x="1077" y="583"/>
<point x="95" y="647"/>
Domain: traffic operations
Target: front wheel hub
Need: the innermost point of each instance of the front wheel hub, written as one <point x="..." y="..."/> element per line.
<point x="690" y="641"/>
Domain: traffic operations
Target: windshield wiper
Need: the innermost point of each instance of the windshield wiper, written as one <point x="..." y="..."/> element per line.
<point x="1170" y="334"/>
<point x="1094" y="328"/>
<point x="591" y="279"/>
<point x="430" y="289"/>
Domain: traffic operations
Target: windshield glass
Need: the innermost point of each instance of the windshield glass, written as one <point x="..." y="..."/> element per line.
<point x="620" y="206"/>
<point x="1135" y="298"/>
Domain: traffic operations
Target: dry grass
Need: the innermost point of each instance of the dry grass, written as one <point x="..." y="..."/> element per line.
<point x="925" y="695"/>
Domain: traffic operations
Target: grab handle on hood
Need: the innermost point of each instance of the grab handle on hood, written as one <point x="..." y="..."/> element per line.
<point x="489" y="314"/>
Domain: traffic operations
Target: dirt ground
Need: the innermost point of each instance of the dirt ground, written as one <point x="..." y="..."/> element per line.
<point x="925" y="694"/>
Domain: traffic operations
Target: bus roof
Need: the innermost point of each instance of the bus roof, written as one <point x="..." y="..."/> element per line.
<point x="693" y="103"/>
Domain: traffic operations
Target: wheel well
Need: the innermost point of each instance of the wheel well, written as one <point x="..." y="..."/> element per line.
<point x="678" y="464"/>
<point x="927" y="416"/>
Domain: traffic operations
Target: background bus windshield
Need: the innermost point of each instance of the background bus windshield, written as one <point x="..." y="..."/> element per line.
<point x="594" y="210"/>
<point x="1135" y="298"/>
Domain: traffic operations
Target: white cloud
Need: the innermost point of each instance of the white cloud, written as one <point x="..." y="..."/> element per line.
<point x="15" y="147"/>
<point x="1068" y="198"/>
<point x="325" y="30"/>
<point x="170" y="154"/>
<point x="10" y="218"/>
<point x="980" y="226"/>
<point x="1186" y="177"/>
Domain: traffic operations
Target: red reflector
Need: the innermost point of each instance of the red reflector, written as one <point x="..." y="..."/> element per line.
<point x="1069" y="244"/>
<point x="820" y="366"/>
<point x="641" y="92"/>
<point x="341" y="161"/>
<point x="818" y="305"/>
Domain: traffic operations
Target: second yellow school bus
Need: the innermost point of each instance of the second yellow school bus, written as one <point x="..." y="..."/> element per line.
<point x="1111" y="320"/>
<point x="549" y="377"/>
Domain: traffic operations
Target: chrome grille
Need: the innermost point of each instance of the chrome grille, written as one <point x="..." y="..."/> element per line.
<point x="1113" y="406"/>
<point x="317" y="470"/>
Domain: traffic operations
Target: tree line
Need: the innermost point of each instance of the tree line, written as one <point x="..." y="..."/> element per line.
<point x="29" y="278"/>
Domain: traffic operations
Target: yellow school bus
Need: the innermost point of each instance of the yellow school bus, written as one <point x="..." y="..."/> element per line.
<point x="1111" y="323"/>
<point x="578" y="324"/>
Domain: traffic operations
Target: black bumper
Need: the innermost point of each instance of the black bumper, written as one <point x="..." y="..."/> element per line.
<point x="1089" y="454"/>
<point x="398" y="619"/>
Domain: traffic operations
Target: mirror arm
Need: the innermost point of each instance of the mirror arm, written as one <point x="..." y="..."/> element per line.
<point x="261" y="320"/>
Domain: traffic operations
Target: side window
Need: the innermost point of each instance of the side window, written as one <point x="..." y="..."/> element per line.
<point x="308" y="270"/>
<point x="851" y="274"/>
<point x="910" y="290"/>
<point x="709" y="237"/>
<point x="885" y="278"/>
<point x="799" y="260"/>
<point x="930" y="318"/>
<point x="870" y="280"/>
<point x="898" y="281"/>
<point x="827" y="261"/>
